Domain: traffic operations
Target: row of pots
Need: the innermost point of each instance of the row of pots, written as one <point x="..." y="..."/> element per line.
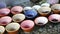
<point x="19" y="14"/>
<point x="43" y="10"/>
<point x="28" y="25"/>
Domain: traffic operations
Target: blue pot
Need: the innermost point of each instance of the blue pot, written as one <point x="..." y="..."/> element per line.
<point x="30" y="13"/>
<point x="3" y="5"/>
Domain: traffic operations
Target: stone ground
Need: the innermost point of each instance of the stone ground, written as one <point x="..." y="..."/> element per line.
<point x="49" y="28"/>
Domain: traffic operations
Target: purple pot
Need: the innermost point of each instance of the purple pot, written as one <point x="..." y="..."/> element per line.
<point x="52" y="1"/>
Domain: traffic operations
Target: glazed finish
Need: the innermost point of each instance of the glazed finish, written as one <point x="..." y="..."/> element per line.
<point x="4" y="12"/>
<point x="12" y="28"/>
<point x="41" y="21"/>
<point x="53" y="1"/>
<point x="36" y="7"/>
<point x="5" y="20"/>
<point x="56" y="8"/>
<point x="30" y="13"/>
<point x="18" y="17"/>
<point x="27" y="8"/>
<point x="44" y="11"/>
<point x="27" y="25"/>
<point x="16" y="9"/>
<point x="3" y="5"/>
<point x="54" y="18"/>
<point x="2" y="29"/>
<point x="45" y="5"/>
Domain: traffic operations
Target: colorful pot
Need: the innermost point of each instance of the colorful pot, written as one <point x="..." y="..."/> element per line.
<point x="2" y="30"/>
<point x="27" y="8"/>
<point x="44" y="11"/>
<point x="41" y="21"/>
<point x="12" y="28"/>
<point x="30" y="13"/>
<point x="4" y="12"/>
<point x="54" y="18"/>
<point x="36" y="7"/>
<point x="3" y="5"/>
<point x="5" y="20"/>
<point x="53" y="1"/>
<point x="16" y="9"/>
<point x="18" y="17"/>
<point x="27" y="25"/>
<point x="45" y="5"/>
<point x="56" y="8"/>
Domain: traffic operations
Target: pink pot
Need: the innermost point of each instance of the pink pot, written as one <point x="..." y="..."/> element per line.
<point x="16" y="9"/>
<point x="4" y="11"/>
<point x="5" y="20"/>
<point x="54" y="18"/>
<point x="27" y="25"/>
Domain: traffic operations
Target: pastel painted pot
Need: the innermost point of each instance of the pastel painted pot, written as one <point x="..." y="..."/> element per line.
<point x="12" y="28"/>
<point x="5" y="20"/>
<point x="16" y="9"/>
<point x="52" y="1"/>
<point x="18" y="17"/>
<point x="44" y="11"/>
<point x="56" y="8"/>
<point x="2" y="30"/>
<point x="3" y="5"/>
<point x="41" y="21"/>
<point x="30" y="13"/>
<point x="54" y="18"/>
<point x="27" y="25"/>
<point x="36" y="7"/>
<point x="45" y="5"/>
<point x="4" y="12"/>
<point x="27" y="8"/>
